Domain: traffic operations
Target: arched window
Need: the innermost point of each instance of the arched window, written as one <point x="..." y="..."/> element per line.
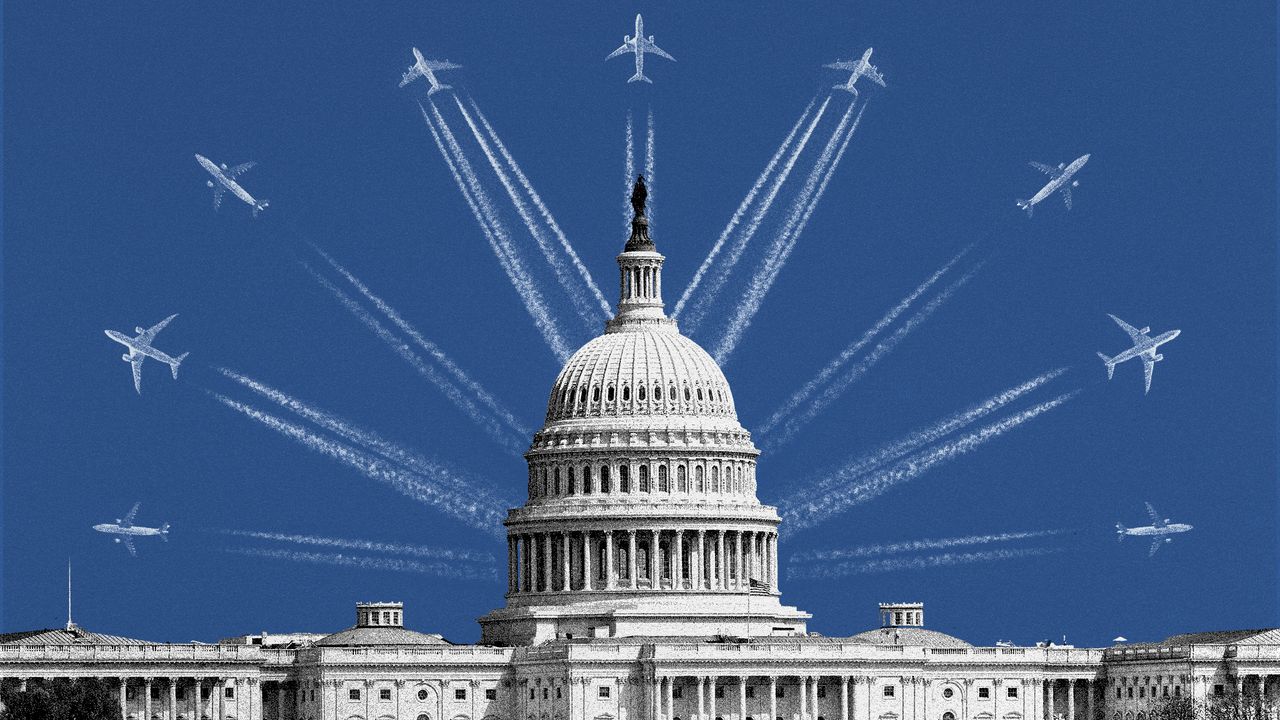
<point x="644" y="478"/>
<point x="609" y="393"/>
<point x="699" y="394"/>
<point x="663" y="484"/>
<point x="604" y="479"/>
<point x="682" y="479"/>
<point x="624" y="478"/>
<point x="640" y="397"/>
<point x="686" y="393"/>
<point x="657" y="392"/>
<point x="595" y="394"/>
<point x="715" y="478"/>
<point x="586" y="480"/>
<point x="572" y="482"/>
<point x="582" y="396"/>
<point x="642" y="561"/>
<point x="624" y="569"/>
<point x="626" y="393"/>
<point x="948" y="715"/>
<point x="423" y="716"/>
<point x="546" y="489"/>
<point x="671" y="393"/>
<point x="557" y="483"/>
<point x="697" y="479"/>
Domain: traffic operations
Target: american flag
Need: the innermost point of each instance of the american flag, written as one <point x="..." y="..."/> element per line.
<point x="756" y="587"/>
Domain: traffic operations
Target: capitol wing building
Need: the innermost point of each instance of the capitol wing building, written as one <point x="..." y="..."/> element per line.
<point x="642" y="584"/>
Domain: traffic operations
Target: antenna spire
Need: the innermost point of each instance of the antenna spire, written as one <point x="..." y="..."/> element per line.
<point x="70" y="625"/>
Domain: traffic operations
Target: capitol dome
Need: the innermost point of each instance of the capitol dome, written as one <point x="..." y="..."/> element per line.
<point x="642" y="517"/>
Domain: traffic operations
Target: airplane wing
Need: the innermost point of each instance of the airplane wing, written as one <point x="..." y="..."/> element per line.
<point x="128" y="544"/>
<point x="1148" y="367"/>
<point x="1156" y="520"/>
<point x="133" y="512"/>
<point x="874" y="75"/>
<point x="239" y="169"/>
<point x="150" y="333"/>
<point x="1154" y="547"/>
<point x="626" y="48"/>
<point x="849" y="65"/>
<point x="442" y="65"/>
<point x="1049" y="170"/>
<point x="1134" y="333"/>
<point x="410" y="76"/>
<point x="136" y="361"/>
<point x="649" y="47"/>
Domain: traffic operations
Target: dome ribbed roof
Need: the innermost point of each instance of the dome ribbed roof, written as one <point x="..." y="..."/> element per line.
<point x="652" y="370"/>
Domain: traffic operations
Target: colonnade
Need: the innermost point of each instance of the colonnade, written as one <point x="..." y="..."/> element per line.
<point x="653" y="559"/>
<point x="237" y="697"/>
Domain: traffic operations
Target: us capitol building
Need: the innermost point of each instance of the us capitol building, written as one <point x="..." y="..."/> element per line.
<point x="642" y="584"/>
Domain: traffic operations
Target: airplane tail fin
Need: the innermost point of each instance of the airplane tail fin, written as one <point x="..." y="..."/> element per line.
<point x="1120" y="532"/>
<point x="1111" y="367"/>
<point x="164" y="532"/>
<point x="1024" y="205"/>
<point x="260" y="207"/>
<point x="639" y="77"/>
<point x="176" y="362"/>
<point x="437" y="88"/>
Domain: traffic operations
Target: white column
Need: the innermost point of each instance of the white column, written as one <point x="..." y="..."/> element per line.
<point x="608" y="559"/>
<point x="173" y="698"/>
<point x="712" y="683"/>
<point x="565" y="565"/>
<point x="722" y="563"/>
<point x="738" y="564"/>
<point x="531" y="540"/>
<point x="671" y="700"/>
<point x="844" y="698"/>
<point x="699" y="572"/>
<point x="1053" y="689"/>
<point x="804" y="698"/>
<point x="124" y="697"/>
<point x="773" y="697"/>
<point x="220" y="687"/>
<point x="631" y="556"/>
<point x="655" y="567"/>
<point x="549" y="580"/>
<point x="146" y="698"/>
<point x="742" y="697"/>
<point x="677" y="562"/>
<point x="1071" y="699"/>
<point x="586" y="560"/>
<point x="702" y="698"/>
<point x="195" y="699"/>
<point x="773" y="561"/>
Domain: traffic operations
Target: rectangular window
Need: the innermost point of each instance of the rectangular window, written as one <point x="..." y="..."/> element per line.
<point x="490" y="694"/>
<point x="546" y="694"/>
<point x="1142" y="692"/>
<point x="1117" y="693"/>
<point x="1012" y="692"/>
<point x="1130" y="693"/>
<point x="229" y="692"/>
<point x="984" y="692"/>
<point x="751" y="692"/>
<point x="155" y="692"/>
<point x="822" y="691"/>
<point x="353" y="694"/>
<point x="460" y="694"/>
<point x="888" y="691"/>
<point x="719" y="692"/>
<point x="603" y="692"/>
<point x="181" y="694"/>
<point x="384" y="694"/>
<point x="204" y="693"/>
<point x="531" y="693"/>
<point x="780" y="692"/>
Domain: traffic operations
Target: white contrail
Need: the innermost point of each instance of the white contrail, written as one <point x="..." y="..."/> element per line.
<point x="434" y="351"/>
<point x="918" y="546"/>
<point x="856" y="346"/>
<point x="437" y="568"/>
<point x="873" y="485"/>
<point x="918" y="563"/>
<point x="801" y="210"/>
<point x="563" y="275"/>
<point x="629" y="175"/>
<point x="492" y="427"/>
<point x="418" y="487"/>
<point x="648" y="169"/>
<point x="862" y="367"/>
<point x="424" y="551"/>
<point x="497" y="235"/>
<point x="924" y="436"/>
<point x="717" y="281"/>
<point x="366" y="439"/>
<point x="742" y="208"/>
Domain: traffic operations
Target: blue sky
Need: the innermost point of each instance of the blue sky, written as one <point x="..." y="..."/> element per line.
<point x="107" y="224"/>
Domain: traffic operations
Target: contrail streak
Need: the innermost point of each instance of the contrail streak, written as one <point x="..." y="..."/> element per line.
<point x="802" y="209"/>
<point x="648" y="168"/>
<point x="919" y="563"/>
<point x="423" y="489"/>
<point x="368" y="440"/>
<point x="629" y="175"/>
<point x="925" y="436"/>
<point x="918" y="546"/>
<point x="431" y="348"/>
<point x="854" y="348"/>
<point x="562" y="272"/>
<point x="423" y="551"/>
<point x="699" y="310"/>
<point x="497" y="235"/>
<point x="397" y="344"/>
<point x="437" y="568"/>
<point x="742" y="208"/>
<point x="882" y="348"/>
<point x="912" y="467"/>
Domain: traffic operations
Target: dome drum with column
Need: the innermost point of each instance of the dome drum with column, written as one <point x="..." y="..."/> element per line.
<point x="642" y="516"/>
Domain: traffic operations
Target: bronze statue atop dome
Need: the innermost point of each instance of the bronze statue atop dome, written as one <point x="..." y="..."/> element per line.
<point x="639" y="194"/>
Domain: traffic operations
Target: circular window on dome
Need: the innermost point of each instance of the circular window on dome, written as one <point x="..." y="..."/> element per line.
<point x="422" y="695"/>
<point x="947" y="693"/>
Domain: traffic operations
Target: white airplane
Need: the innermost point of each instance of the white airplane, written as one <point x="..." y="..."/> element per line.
<point x="424" y="68"/>
<point x="140" y="349"/>
<point x="860" y="68"/>
<point x="1159" y="529"/>
<point x="639" y="45"/>
<point x="127" y="531"/>
<point x="1058" y="177"/>
<point x="226" y="180"/>
<point x="1144" y="346"/>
